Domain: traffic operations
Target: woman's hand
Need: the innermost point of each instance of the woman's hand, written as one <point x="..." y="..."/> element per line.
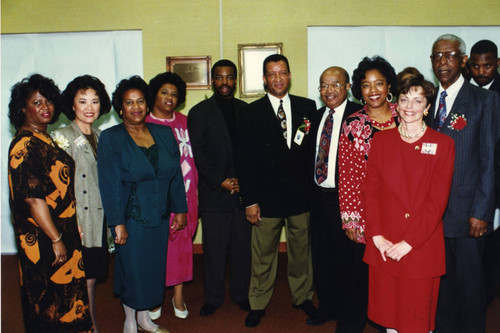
<point x="398" y="250"/>
<point x="354" y="234"/>
<point x="179" y="222"/>
<point x="60" y="253"/>
<point x="382" y="245"/>
<point x="121" y="234"/>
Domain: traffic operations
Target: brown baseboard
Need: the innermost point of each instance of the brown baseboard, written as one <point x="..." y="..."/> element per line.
<point x="198" y="248"/>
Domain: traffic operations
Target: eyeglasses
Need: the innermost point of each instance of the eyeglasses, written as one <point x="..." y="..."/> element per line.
<point x="449" y="56"/>
<point x="334" y="86"/>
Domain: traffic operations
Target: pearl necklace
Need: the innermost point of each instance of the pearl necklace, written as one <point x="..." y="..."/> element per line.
<point x="405" y="134"/>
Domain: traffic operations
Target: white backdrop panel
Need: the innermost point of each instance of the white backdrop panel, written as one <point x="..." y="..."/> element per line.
<point x="401" y="46"/>
<point x="109" y="55"/>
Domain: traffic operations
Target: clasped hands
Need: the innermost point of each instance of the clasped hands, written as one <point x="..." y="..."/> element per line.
<point x="231" y="184"/>
<point x="392" y="251"/>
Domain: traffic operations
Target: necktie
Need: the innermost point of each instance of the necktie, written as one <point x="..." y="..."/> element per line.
<point x="324" y="149"/>
<point x="282" y="118"/>
<point x="441" y="110"/>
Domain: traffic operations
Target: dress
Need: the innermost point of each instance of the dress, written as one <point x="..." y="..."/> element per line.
<point x="83" y="150"/>
<point x="354" y="148"/>
<point x="180" y="243"/>
<point x="54" y="298"/>
<point x="404" y="195"/>
<point x="139" y="189"/>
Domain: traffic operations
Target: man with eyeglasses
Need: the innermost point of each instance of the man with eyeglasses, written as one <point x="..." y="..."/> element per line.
<point x="335" y="290"/>
<point x="469" y="115"/>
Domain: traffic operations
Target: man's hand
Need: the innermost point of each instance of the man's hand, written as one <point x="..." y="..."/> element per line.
<point x="253" y="214"/>
<point x="231" y="184"/>
<point x="477" y="227"/>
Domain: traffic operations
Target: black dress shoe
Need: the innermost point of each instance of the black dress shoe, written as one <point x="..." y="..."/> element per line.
<point x="253" y="318"/>
<point x="318" y="320"/>
<point x="308" y="307"/>
<point x="207" y="309"/>
<point x="244" y="305"/>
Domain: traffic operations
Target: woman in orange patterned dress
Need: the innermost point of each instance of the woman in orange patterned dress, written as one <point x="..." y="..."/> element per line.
<point x="42" y="202"/>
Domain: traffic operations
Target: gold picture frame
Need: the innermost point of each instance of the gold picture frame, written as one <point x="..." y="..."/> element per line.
<point x="250" y="60"/>
<point x="194" y="70"/>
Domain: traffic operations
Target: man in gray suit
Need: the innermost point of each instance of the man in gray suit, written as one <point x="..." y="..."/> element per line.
<point x="468" y="114"/>
<point x="212" y="126"/>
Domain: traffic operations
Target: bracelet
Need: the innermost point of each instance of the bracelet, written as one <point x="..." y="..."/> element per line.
<point x="58" y="238"/>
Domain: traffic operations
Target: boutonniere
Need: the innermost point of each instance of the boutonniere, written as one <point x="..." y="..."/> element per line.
<point x="306" y="126"/>
<point x="60" y="140"/>
<point x="458" y="122"/>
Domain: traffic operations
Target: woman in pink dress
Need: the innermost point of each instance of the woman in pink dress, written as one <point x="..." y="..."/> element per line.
<point x="168" y="91"/>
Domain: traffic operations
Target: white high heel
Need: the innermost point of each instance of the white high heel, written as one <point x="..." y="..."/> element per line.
<point x="155" y="314"/>
<point x="182" y="314"/>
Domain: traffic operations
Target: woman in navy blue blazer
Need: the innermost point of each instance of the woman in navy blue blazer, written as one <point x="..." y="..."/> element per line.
<point x="141" y="183"/>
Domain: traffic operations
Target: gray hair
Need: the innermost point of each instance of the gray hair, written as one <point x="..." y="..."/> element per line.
<point x="450" y="37"/>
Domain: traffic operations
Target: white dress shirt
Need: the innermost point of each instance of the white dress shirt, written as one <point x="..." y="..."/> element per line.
<point x="275" y="102"/>
<point x="329" y="182"/>
<point x="452" y="92"/>
<point x="473" y="82"/>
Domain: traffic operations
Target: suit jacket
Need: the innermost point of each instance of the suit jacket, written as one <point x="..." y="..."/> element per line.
<point x="495" y="86"/>
<point x="122" y="166"/>
<point x="214" y="154"/>
<point x="271" y="174"/>
<point x="472" y="189"/>
<point x="404" y="196"/>
<point x="88" y="198"/>
<point x="350" y="108"/>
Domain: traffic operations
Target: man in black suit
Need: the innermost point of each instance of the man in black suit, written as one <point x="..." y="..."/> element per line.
<point x="469" y="115"/>
<point x="335" y="287"/>
<point x="275" y="183"/>
<point x="483" y="65"/>
<point x="213" y="126"/>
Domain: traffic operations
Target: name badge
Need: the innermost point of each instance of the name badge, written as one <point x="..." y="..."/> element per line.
<point x="429" y="148"/>
<point x="299" y="136"/>
<point x="80" y="141"/>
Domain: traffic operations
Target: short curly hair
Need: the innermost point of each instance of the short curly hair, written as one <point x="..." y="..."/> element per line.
<point x="134" y="82"/>
<point x="163" y="78"/>
<point x="23" y="90"/>
<point x="381" y="65"/>
<point x="84" y="82"/>
<point x="414" y="81"/>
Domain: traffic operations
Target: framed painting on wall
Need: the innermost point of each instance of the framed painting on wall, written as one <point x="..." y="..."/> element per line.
<point x="250" y="60"/>
<point x="195" y="71"/>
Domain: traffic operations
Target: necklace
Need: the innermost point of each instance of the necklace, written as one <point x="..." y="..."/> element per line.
<point x="52" y="143"/>
<point x="405" y="134"/>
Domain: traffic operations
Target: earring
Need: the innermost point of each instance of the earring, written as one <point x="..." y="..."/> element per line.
<point x="362" y="101"/>
<point x="121" y="113"/>
<point x="426" y="113"/>
<point x="389" y="98"/>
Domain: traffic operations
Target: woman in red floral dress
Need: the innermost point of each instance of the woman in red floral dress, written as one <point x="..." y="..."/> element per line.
<point x="373" y="82"/>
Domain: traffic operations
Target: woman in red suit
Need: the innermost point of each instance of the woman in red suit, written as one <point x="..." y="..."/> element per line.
<point x="404" y="195"/>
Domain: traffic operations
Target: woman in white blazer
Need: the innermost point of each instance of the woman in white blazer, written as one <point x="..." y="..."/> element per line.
<point x="85" y="100"/>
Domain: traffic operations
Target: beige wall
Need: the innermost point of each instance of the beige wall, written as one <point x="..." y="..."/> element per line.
<point x="191" y="27"/>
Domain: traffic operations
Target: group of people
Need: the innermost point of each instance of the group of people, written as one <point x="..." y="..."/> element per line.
<point x="387" y="205"/>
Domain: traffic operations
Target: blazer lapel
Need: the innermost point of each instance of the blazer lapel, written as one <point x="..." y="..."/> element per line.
<point x="81" y="142"/>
